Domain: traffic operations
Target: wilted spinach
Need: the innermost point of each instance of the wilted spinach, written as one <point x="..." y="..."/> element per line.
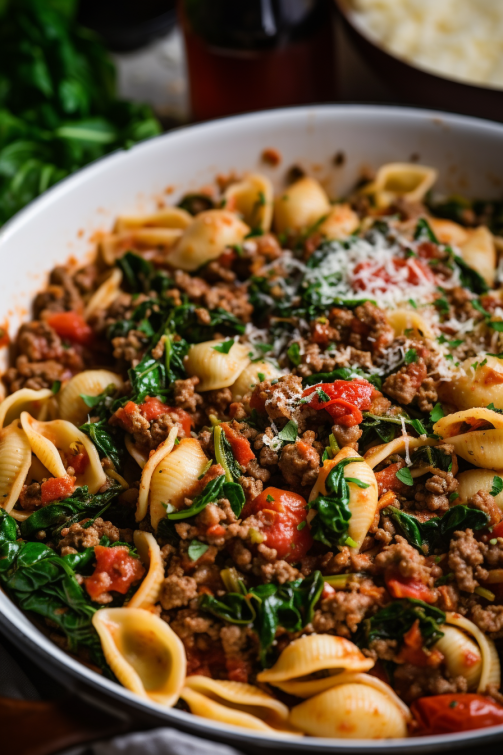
<point x="436" y="532"/>
<point x="268" y="607"/>
<point x="395" y="620"/>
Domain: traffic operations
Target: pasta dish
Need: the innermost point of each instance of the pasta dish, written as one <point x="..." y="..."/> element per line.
<point x="251" y="458"/>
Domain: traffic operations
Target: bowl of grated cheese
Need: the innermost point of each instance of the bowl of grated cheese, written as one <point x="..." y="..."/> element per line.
<point x="438" y="53"/>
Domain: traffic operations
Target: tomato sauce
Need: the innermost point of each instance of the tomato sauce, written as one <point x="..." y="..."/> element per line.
<point x="446" y="714"/>
<point x="71" y="326"/>
<point x="115" y="570"/>
<point x="281" y="513"/>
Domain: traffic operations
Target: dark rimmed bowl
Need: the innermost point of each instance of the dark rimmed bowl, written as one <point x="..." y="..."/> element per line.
<point x="414" y="85"/>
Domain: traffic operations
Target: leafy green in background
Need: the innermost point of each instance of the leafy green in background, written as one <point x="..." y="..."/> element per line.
<point x="58" y="108"/>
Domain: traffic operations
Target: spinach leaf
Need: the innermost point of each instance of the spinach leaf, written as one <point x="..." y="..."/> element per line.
<point x="432" y="456"/>
<point x="424" y="232"/>
<point x="211" y="493"/>
<point x="470" y="278"/>
<point x="386" y="428"/>
<point x="436" y="532"/>
<point x="224" y="455"/>
<point x="196" y="203"/>
<point x="269" y="606"/>
<point x="331" y="523"/>
<point x="101" y="436"/>
<point x="137" y="271"/>
<point x="235" y="495"/>
<point x="395" y="620"/>
<point x="80" y="505"/>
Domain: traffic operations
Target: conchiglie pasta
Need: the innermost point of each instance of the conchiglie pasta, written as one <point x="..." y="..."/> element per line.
<point x="484" y="447"/>
<point x="148" y="592"/>
<point x="401" y="180"/>
<point x="144" y="653"/>
<point x="206" y="237"/>
<point x="402" y="320"/>
<point x="479" y="252"/>
<point x="88" y="383"/>
<point x="340" y="222"/>
<point x="306" y="656"/>
<point x="15" y="461"/>
<point x="462" y="656"/>
<point x="473" y="480"/>
<point x="105" y="294"/>
<point x="24" y="400"/>
<point x="477" y="386"/>
<point x="148" y="469"/>
<point x="50" y="440"/>
<point x="448" y="232"/>
<point x="168" y="217"/>
<point x="215" y="369"/>
<point x="491" y="668"/>
<point x="113" y="245"/>
<point x="400" y="445"/>
<point x="362" y="501"/>
<point x="300" y="206"/>
<point x="175" y="476"/>
<point x="350" y="711"/>
<point x="241" y="697"/>
<point x="251" y="375"/>
<point x="253" y="199"/>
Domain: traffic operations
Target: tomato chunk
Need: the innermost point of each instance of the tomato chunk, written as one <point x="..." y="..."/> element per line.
<point x="407" y="587"/>
<point x="387" y="479"/>
<point x="79" y="462"/>
<point x="410" y="270"/>
<point x="72" y="327"/>
<point x="443" y="714"/>
<point x="115" y="570"/>
<point x="56" y="488"/>
<point x="281" y="513"/>
<point x="346" y="399"/>
<point x="240" y="446"/>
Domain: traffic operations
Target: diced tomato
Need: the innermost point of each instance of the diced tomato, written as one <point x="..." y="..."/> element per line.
<point x="240" y="446"/>
<point x="79" y="462"/>
<point x="227" y="258"/>
<point x="410" y="270"/>
<point x="238" y="669"/>
<point x="322" y="333"/>
<point x="387" y="479"/>
<point x="72" y="327"/>
<point x="216" y="530"/>
<point x="413" y="651"/>
<point x="407" y="587"/>
<point x="281" y="513"/>
<point x="498" y="530"/>
<point x="115" y="570"/>
<point x="443" y="714"/>
<point x="347" y="398"/>
<point x="56" y="488"/>
<point x="152" y="408"/>
<point x="183" y="418"/>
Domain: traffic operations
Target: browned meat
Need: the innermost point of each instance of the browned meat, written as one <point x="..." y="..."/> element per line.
<point x="299" y="463"/>
<point x="404" y="384"/>
<point x="466" y="556"/>
<point x="408" y="561"/>
<point x="185" y="393"/>
<point x="485" y="502"/>
<point x="76" y="537"/>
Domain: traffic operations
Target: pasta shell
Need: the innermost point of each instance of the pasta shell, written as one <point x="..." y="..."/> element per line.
<point x="144" y="653"/>
<point x="402" y="320"/>
<point x="214" y="369"/>
<point x="340" y="222"/>
<point x="250" y="376"/>
<point x="88" y="383"/>
<point x="300" y="206"/>
<point x="105" y="294"/>
<point x="240" y="696"/>
<point x="113" y="245"/>
<point x="400" y="445"/>
<point x="140" y="457"/>
<point x="491" y="668"/>
<point x="168" y="217"/>
<point x="205" y="239"/>
<point x="174" y="476"/>
<point x="162" y="450"/>
<point x="477" y="387"/>
<point x="473" y="480"/>
<point x="462" y="655"/>
<point x="24" y="400"/>
<point x="15" y="461"/>
<point x="448" y="232"/>
<point x="253" y="199"/>
<point x="309" y="655"/>
<point x="48" y="439"/>
<point x="483" y="448"/>
<point x="148" y="549"/>
<point x="479" y="252"/>
<point x="201" y="705"/>
<point x="350" y="711"/>
<point x="406" y="180"/>
<point x="362" y="501"/>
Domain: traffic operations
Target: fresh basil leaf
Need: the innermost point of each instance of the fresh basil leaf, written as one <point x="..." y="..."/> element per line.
<point x="289" y="433"/>
<point x="236" y="497"/>
<point x="293" y="354"/>
<point x="405" y="476"/>
<point x="410" y="356"/>
<point x="436" y="413"/>
<point x="224" y="347"/>
<point x="197" y="549"/>
<point x="211" y="493"/>
<point x="497" y="486"/>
